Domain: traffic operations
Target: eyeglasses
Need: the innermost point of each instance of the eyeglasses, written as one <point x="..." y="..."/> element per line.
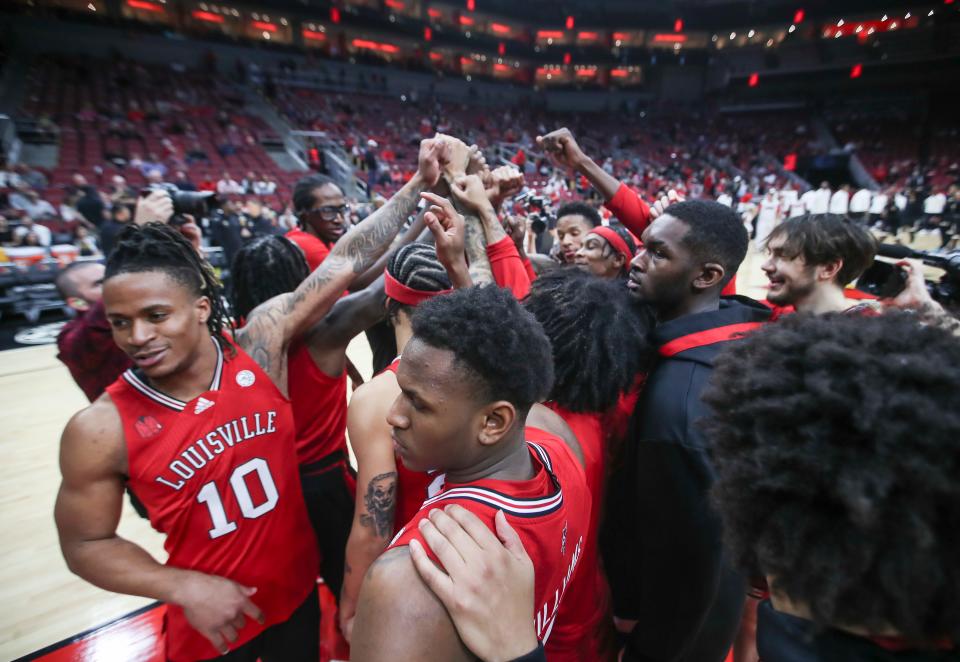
<point x="330" y="213"/>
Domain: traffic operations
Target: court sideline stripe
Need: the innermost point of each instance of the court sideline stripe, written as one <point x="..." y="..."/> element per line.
<point x="63" y="643"/>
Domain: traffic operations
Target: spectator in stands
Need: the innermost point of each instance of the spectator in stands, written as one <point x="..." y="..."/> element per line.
<point x="9" y="178"/>
<point x="31" y="233"/>
<point x="228" y="186"/>
<point x="120" y="217"/>
<point x="196" y="153"/>
<point x="247" y="182"/>
<point x="260" y="221"/>
<point x="228" y="229"/>
<point x="265" y="186"/>
<point x="34" y="178"/>
<point x="68" y="210"/>
<point x="182" y="181"/>
<point x="120" y="191"/>
<point x="86" y="242"/>
<point x="32" y="205"/>
<point x="840" y="201"/>
<point x="91" y="205"/>
<point x="154" y="177"/>
<point x="287" y="220"/>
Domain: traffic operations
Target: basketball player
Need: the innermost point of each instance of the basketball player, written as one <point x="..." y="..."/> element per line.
<point x="321" y="209"/>
<point x="389" y="494"/>
<point x="660" y="540"/>
<point x="606" y="252"/>
<point x="316" y="362"/>
<point x="810" y="260"/>
<point x="474" y="367"/>
<point x="835" y="444"/>
<point x="599" y="346"/>
<point x="768" y="215"/>
<point x="203" y="432"/>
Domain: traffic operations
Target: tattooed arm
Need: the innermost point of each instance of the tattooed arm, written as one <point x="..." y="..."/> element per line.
<point x="273" y="324"/>
<point x="373" y="520"/>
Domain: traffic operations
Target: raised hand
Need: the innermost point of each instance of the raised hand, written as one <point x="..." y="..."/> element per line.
<point x="458" y="155"/>
<point x="434" y="156"/>
<point x="562" y="148"/>
<point x="664" y="201"/>
<point x="506" y="181"/>
<point x="157" y="207"/>
<point x="469" y="191"/>
<point x="217" y="607"/>
<point x="449" y="232"/>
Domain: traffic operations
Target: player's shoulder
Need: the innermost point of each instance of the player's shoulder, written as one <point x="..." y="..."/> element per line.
<point x="101" y="415"/>
<point x="96" y="431"/>
<point x="372" y="394"/>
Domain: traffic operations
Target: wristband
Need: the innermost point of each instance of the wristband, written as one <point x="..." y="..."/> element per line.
<point x="536" y="655"/>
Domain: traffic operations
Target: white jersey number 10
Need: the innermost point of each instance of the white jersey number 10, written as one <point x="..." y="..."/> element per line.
<point x="211" y="496"/>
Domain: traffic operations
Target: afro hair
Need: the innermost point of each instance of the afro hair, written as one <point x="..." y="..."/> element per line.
<point x="836" y="441"/>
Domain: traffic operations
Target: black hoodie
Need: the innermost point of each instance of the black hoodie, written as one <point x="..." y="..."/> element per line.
<point x="661" y="540"/>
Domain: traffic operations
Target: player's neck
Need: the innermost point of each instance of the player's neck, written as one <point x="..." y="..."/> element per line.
<point x="509" y="460"/>
<point x="694" y="305"/>
<point x="195" y="378"/>
<point x="402" y="332"/>
<point x="824" y="299"/>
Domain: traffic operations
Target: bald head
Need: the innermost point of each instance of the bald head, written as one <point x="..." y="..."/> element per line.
<point x="81" y="284"/>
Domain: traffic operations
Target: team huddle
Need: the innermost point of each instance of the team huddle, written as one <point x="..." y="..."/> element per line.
<point x="615" y="414"/>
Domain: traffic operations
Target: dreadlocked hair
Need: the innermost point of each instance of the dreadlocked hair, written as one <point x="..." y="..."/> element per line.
<point x="264" y="268"/>
<point x="416" y="265"/>
<point x="598" y="337"/>
<point x="836" y="442"/>
<point x="161" y="247"/>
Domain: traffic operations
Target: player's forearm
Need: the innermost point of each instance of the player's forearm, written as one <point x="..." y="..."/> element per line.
<point x="363" y="548"/>
<point x="475" y="247"/>
<point x="376" y="270"/>
<point x="118" y="565"/>
<point x="371" y="238"/>
<point x="605" y="183"/>
<point x="492" y="229"/>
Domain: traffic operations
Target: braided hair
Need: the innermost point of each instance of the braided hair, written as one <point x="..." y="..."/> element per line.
<point x="598" y="337"/>
<point x="416" y="265"/>
<point x="161" y="247"/>
<point x="264" y="268"/>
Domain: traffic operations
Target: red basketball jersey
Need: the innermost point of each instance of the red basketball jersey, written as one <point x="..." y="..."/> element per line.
<point x="319" y="407"/>
<point x="550" y="512"/>
<point x="411" y="485"/>
<point x="218" y="475"/>
<point x="584" y="630"/>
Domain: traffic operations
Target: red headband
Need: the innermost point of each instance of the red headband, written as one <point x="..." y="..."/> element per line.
<point x="406" y="295"/>
<point x="615" y="240"/>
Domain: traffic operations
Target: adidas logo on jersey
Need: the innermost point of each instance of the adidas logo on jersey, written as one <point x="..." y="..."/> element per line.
<point x="202" y="405"/>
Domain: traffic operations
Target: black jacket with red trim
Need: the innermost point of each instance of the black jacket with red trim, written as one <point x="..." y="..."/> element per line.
<point x="661" y="540"/>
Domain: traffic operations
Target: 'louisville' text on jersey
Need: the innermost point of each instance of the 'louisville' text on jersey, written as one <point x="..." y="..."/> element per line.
<point x="207" y="448"/>
<point x="547" y="614"/>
